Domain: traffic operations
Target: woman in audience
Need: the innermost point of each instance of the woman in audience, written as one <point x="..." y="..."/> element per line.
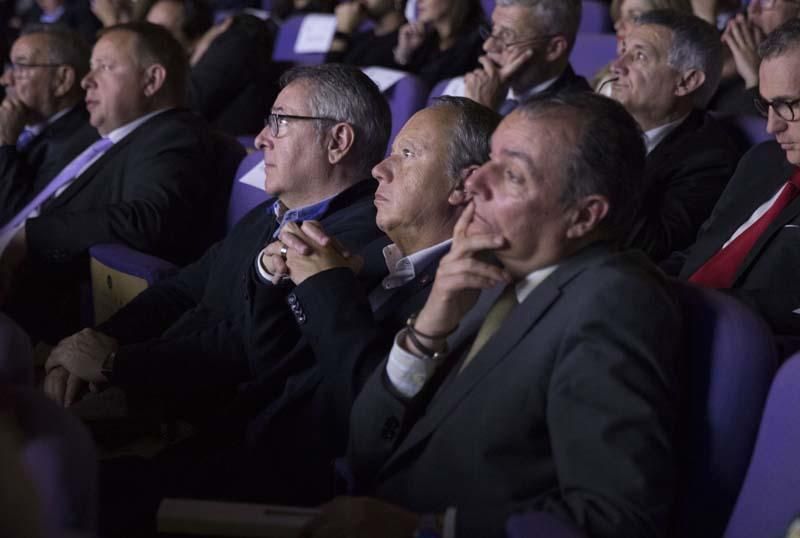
<point x="367" y="47"/>
<point x="443" y="42"/>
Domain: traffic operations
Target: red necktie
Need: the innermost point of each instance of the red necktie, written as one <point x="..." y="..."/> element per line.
<point x="720" y="270"/>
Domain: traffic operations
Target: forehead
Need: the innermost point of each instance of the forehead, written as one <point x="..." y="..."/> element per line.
<point x="650" y="36"/>
<point x="515" y="18"/>
<point x="540" y="140"/>
<point x="293" y="99"/>
<point x="780" y="76"/>
<point x="626" y="6"/>
<point x="29" y="47"/>
<point x="428" y="128"/>
<point x="118" y="44"/>
<point x="165" y="11"/>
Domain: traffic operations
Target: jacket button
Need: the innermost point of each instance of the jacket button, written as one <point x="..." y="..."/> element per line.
<point x="390" y="428"/>
<point x="291" y="299"/>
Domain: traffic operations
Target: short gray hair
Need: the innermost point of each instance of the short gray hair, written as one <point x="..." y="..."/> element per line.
<point x="695" y="45"/>
<point x="470" y="136"/>
<point x="608" y="159"/>
<point x="346" y="94"/>
<point x="781" y="40"/>
<point x="64" y="46"/>
<point x="553" y="16"/>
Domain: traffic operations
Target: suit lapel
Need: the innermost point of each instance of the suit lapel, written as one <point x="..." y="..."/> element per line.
<point x="402" y="299"/>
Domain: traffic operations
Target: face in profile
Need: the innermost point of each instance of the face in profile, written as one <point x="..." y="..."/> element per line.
<point x="779" y="78"/>
<point x="34" y="80"/>
<point x="767" y="15"/>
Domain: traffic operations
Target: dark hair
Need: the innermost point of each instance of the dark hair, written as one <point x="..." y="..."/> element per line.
<point x="781" y="40"/>
<point x="64" y="46"/>
<point x="155" y="45"/>
<point x="346" y="94"/>
<point x="608" y="158"/>
<point x="198" y="16"/>
<point x="471" y="134"/>
<point x="695" y="45"/>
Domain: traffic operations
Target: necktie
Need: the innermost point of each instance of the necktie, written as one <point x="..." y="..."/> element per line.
<point x="68" y="173"/>
<point x="25" y="138"/>
<point x="494" y="319"/>
<point x="720" y="270"/>
<point x="507" y="107"/>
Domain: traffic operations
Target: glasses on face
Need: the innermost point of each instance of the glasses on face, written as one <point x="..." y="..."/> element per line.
<point x="20" y="69"/>
<point x="507" y="39"/>
<point x="276" y="121"/>
<point x="785" y="110"/>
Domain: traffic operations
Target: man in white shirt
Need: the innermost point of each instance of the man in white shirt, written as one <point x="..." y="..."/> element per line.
<point x="668" y="69"/>
<point x="527" y="53"/>
<point x="543" y="364"/>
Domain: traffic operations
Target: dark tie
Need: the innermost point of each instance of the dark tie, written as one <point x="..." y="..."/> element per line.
<point x="25" y="139"/>
<point x="720" y="270"/>
<point x="68" y="173"/>
<point x="494" y="320"/>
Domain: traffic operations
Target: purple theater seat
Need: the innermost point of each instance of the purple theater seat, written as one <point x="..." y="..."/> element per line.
<point x="540" y="524"/>
<point x="731" y="361"/>
<point x="592" y="52"/>
<point x="753" y="129"/>
<point x="406" y="97"/>
<point x="488" y="7"/>
<point x="437" y="90"/>
<point x="244" y="197"/>
<point x="770" y="496"/>
<point x="284" y="44"/>
<point x="595" y="17"/>
<point x="59" y="456"/>
<point x="16" y="356"/>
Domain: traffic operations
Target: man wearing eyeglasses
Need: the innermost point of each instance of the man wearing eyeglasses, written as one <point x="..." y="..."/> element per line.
<point x="43" y="123"/>
<point x="527" y="52"/>
<point x="743" y="35"/>
<point x="749" y="245"/>
<point x="668" y="68"/>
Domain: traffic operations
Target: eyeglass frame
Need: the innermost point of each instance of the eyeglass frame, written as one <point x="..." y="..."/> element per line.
<point x="18" y="67"/>
<point x="487" y="32"/>
<point x="763" y="105"/>
<point x="274" y="125"/>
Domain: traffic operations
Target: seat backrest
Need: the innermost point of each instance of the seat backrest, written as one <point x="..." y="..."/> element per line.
<point x="488" y="7"/>
<point x="533" y="524"/>
<point x="592" y="52"/>
<point x="595" y="17"/>
<point x="16" y="355"/>
<point x="731" y="361"/>
<point x="229" y="154"/>
<point x="770" y="496"/>
<point x="244" y="196"/>
<point x="405" y="97"/>
<point x="285" y="41"/>
<point x="440" y="89"/>
<point x="748" y="130"/>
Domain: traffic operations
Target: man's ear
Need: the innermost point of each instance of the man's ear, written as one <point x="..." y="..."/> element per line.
<point x="154" y="77"/>
<point x="64" y="80"/>
<point x="556" y="48"/>
<point x="585" y="216"/>
<point x="340" y="142"/>
<point x="459" y="195"/>
<point x="689" y="82"/>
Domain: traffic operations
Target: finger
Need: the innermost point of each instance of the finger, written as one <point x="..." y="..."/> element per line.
<point x="517" y="61"/>
<point x="73" y="387"/>
<point x="471" y="244"/>
<point x="316" y="232"/>
<point x="296" y="241"/>
<point x="356" y="263"/>
<point x="473" y="266"/>
<point x="52" y="361"/>
<point x="489" y="67"/>
<point x="279" y="267"/>
<point x="56" y="387"/>
<point x="463" y="222"/>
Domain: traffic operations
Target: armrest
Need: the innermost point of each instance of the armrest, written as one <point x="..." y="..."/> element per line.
<point x="120" y="273"/>
<point x="531" y="524"/>
<point x="219" y="518"/>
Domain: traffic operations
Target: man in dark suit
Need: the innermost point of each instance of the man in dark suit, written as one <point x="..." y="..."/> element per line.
<point x="540" y="398"/>
<point x="183" y="339"/>
<point x="668" y="69"/>
<point x="146" y="182"/>
<point x="748" y="245"/>
<point x="527" y="53"/>
<point x="43" y="123"/>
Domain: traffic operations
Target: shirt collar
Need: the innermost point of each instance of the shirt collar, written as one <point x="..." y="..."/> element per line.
<point x="310" y="212"/>
<point x="654" y="136"/>
<point x="52" y="16"/>
<point x="525" y="286"/>
<point x="121" y="132"/>
<point x="403" y="269"/>
<point x="539" y="88"/>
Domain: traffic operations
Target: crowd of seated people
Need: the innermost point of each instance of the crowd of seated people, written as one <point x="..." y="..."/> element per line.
<point x="477" y="317"/>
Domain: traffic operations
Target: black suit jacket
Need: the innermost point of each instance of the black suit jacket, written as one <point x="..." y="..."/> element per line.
<point x="767" y="280"/>
<point x="684" y="176"/>
<point x="233" y="84"/>
<point x="567" y="81"/>
<point x="24" y="173"/>
<point x="185" y="336"/>
<point x="154" y="191"/>
<point x="566" y="409"/>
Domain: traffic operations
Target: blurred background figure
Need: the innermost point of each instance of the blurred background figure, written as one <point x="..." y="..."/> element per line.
<point x="74" y="14"/>
<point x="284" y="8"/>
<point x="366" y="47"/>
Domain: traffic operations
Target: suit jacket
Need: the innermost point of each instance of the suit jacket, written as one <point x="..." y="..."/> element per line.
<point x="232" y="85"/>
<point x="684" y="176"/>
<point x="153" y="191"/>
<point x="565" y="409"/>
<point x="24" y="173"/>
<point x="567" y="81"/>
<point x="185" y="336"/>
<point x="767" y="279"/>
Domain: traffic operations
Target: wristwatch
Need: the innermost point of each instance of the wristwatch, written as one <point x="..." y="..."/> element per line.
<point x="107" y="368"/>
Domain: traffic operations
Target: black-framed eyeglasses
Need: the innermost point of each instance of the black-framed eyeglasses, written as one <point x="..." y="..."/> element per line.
<point x="275" y="121"/>
<point x="784" y="109"/>
<point x="22" y="67"/>
<point x="507" y="41"/>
